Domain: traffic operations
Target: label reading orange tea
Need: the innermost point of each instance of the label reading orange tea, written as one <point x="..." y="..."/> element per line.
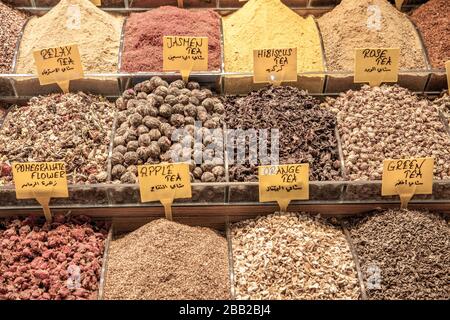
<point x="407" y="177"/>
<point x="283" y="183"/>
<point x="274" y="65"/>
<point x="58" y="65"/>
<point x="164" y="183"/>
<point x="376" y="66"/>
<point x="185" y="54"/>
<point x="40" y="181"/>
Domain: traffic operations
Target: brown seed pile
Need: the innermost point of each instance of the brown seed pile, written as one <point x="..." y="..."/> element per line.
<point x="73" y="128"/>
<point x="11" y="22"/>
<point x="168" y="260"/>
<point x="404" y="255"/>
<point x="368" y="24"/>
<point x="161" y="122"/>
<point x="307" y="131"/>
<point x="432" y="19"/>
<point x="58" y="260"/>
<point x="292" y="256"/>
<point x="388" y="122"/>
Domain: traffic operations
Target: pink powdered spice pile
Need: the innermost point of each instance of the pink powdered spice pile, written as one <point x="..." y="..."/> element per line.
<point x="43" y="261"/>
<point x="143" y="47"/>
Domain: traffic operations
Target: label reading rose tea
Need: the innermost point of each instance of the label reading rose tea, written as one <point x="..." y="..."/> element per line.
<point x="58" y="65"/>
<point x="274" y="65"/>
<point x="283" y="183"/>
<point x="164" y="183"/>
<point x="407" y="177"/>
<point x="185" y="54"/>
<point x="40" y="181"/>
<point x="376" y="66"/>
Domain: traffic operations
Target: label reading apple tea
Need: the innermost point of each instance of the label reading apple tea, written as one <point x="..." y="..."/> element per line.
<point x="274" y="65"/>
<point x="283" y="183"/>
<point x="58" y="65"/>
<point x="40" y="181"/>
<point x="406" y="177"/>
<point x="376" y="66"/>
<point x="164" y="183"/>
<point x="185" y="54"/>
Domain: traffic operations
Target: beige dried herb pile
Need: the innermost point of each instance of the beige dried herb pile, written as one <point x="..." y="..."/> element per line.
<point x="292" y="256"/>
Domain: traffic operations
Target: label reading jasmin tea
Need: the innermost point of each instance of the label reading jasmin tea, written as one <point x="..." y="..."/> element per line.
<point x="164" y="183"/>
<point x="274" y="65"/>
<point x="185" y="54"/>
<point x="399" y="4"/>
<point x="407" y="177"/>
<point x="447" y="68"/>
<point x="40" y="181"/>
<point x="58" y="65"/>
<point x="283" y="183"/>
<point x="376" y="66"/>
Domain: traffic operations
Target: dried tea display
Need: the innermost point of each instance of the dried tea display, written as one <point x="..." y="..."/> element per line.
<point x="432" y="20"/>
<point x="306" y="130"/>
<point x="168" y="260"/>
<point x="404" y="255"/>
<point x="368" y="24"/>
<point x="176" y="122"/>
<point x="292" y="256"/>
<point x="73" y="128"/>
<point x="144" y="32"/>
<point x="11" y="23"/>
<point x="388" y="122"/>
<point x="50" y="261"/>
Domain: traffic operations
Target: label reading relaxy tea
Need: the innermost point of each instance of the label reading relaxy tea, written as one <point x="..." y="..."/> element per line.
<point x="274" y="65"/>
<point x="407" y="177"/>
<point x="40" y="181"/>
<point x="185" y="54"/>
<point x="164" y="183"/>
<point x="58" y="65"/>
<point x="283" y="183"/>
<point x="376" y="66"/>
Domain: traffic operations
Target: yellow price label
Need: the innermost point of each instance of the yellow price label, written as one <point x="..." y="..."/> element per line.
<point x="40" y="181"/>
<point x="399" y="4"/>
<point x="283" y="183"/>
<point x="185" y="54"/>
<point x="274" y="65"/>
<point x="406" y="177"/>
<point x="376" y="66"/>
<point x="98" y="3"/>
<point x="164" y="183"/>
<point x="58" y="65"/>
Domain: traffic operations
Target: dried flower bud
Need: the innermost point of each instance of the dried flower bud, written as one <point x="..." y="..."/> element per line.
<point x="211" y="124"/>
<point x="144" y="140"/>
<point x="117" y="171"/>
<point x="121" y="149"/>
<point x="143" y="153"/>
<point x="198" y="94"/>
<point x="117" y="158"/>
<point x="201" y="109"/>
<point x="207" y="165"/>
<point x="133" y="169"/>
<point x="164" y="143"/>
<point x="167" y="130"/>
<point x="129" y="94"/>
<point x="131" y="157"/>
<point x="189" y="121"/>
<point x="190" y="110"/>
<point x="128" y="177"/>
<point x="152" y="122"/>
<point x="208" y="103"/>
<point x="121" y="118"/>
<point x="166" y="156"/>
<point x="154" y="134"/>
<point x="132" y="145"/>
<point x="178" y="84"/>
<point x="119" y="141"/>
<point x="191" y="85"/>
<point x="154" y="100"/>
<point x="130" y="135"/>
<point x="218" y="171"/>
<point x="177" y="120"/>
<point x="121" y="104"/>
<point x="197" y="172"/>
<point x="132" y="104"/>
<point x="154" y="150"/>
<point x="142" y="129"/>
<point x="161" y="91"/>
<point x="208" y="177"/>
<point x="165" y="110"/>
<point x="174" y="91"/>
<point x="219" y="108"/>
<point x="183" y="99"/>
<point x="135" y="119"/>
<point x="170" y="100"/>
<point x="178" y="108"/>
